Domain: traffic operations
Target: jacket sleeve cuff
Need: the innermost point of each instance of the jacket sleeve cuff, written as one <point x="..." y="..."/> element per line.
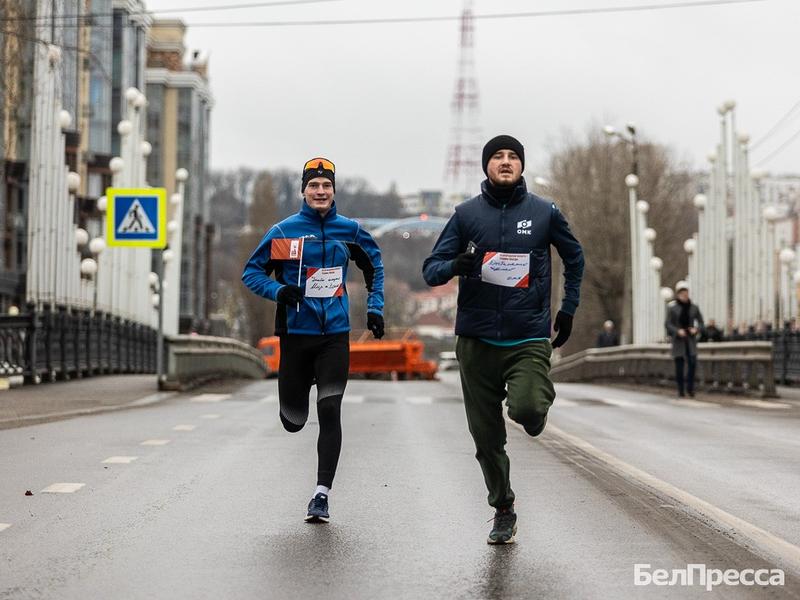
<point x="569" y="307"/>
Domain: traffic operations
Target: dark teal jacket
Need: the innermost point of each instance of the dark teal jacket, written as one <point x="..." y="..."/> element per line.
<point x="525" y="224"/>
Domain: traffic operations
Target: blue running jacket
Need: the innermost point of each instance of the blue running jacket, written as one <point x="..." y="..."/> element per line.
<point x="332" y="241"/>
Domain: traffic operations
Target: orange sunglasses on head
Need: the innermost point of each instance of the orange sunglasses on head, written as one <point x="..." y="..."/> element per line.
<point x="320" y="163"/>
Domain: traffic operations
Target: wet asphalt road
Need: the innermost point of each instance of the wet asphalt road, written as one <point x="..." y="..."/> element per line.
<point x="216" y="512"/>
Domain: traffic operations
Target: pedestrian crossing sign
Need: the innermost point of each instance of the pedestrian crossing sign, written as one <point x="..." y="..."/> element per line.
<point x="136" y="217"/>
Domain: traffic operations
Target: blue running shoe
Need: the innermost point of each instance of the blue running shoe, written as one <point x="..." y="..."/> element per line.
<point x="318" y="509"/>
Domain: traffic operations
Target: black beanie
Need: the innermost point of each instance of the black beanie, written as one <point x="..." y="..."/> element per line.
<point x="502" y="142"/>
<point x="318" y="167"/>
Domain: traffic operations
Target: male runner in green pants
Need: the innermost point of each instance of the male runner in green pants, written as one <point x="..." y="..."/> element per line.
<point x="498" y="244"/>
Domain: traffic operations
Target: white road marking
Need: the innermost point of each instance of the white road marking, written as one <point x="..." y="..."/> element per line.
<point x="4" y="526"/>
<point x="211" y="416"/>
<point x="769" y="544"/>
<point x="694" y="403"/>
<point x="155" y="443"/>
<point x="63" y="488"/>
<point x="419" y="400"/>
<point x="210" y="397"/>
<point x="621" y="403"/>
<point x="184" y="428"/>
<point x="269" y="399"/>
<point x="762" y="404"/>
<point x="559" y="402"/>
<point x="353" y="399"/>
<point x="120" y="460"/>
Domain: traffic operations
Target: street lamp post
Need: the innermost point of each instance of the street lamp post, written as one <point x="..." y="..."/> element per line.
<point x="81" y="239"/>
<point x="786" y="257"/>
<point x="631" y="181"/>
<point x="771" y="215"/>
<point x="690" y="246"/>
<point x="96" y="247"/>
<point x="629" y="139"/>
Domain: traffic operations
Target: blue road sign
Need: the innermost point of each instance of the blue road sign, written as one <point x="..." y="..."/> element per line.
<point x="136" y="217"/>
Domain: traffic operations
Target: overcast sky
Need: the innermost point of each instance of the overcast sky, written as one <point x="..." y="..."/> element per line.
<point x="376" y="98"/>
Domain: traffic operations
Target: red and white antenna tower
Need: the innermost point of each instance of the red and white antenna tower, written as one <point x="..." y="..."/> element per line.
<point x="463" y="166"/>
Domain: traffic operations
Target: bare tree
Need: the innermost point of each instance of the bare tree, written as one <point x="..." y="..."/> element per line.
<point x="260" y="313"/>
<point x="588" y="184"/>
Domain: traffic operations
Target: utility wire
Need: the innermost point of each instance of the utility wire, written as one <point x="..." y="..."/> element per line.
<point x="775" y="127"/>
<point x="779" y="149"/>
<point x="446" y="18"/>
<point x="77" y="49"/>
<point x="172" y="10"/>
<point x="516" y="15"/>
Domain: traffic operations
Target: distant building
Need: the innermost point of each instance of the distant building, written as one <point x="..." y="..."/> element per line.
<point x="16" y="109"/>
<point x="433" y="311"/>
<point x="178" y="114"/>
<point x="431" y="202"/>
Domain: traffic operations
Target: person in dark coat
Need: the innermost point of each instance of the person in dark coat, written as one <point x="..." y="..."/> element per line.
<point x="711" y="333"/>
<point x="608" y="337"/>
<point x="684" y="323"/>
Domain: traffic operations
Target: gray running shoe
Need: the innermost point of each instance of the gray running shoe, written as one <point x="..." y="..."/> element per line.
<point x="504" y="528"/>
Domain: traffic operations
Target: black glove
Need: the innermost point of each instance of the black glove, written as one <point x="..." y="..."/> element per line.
<point x="375" y="324"/>
<point x="563" y="326"/>
<point x="290" y="294"/>
<point x="464" y="263"/>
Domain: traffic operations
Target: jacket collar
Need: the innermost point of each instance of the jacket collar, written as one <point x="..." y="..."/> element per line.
<point x="309" y="212"/>
<point x="520" y="191"/>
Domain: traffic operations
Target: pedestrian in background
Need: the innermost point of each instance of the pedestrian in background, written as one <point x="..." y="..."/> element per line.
<point x="498" y="244"/>
<point x="684" y="324"/>
<point x="608" y="337"/>
<point x="711" y="333"/>
<point x="307" y="255"/>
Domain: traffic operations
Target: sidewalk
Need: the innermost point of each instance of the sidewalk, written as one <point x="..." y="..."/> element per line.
<point x="30" y="404"/>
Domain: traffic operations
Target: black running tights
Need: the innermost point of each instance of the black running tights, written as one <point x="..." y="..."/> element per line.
<point x="324" y="359"/>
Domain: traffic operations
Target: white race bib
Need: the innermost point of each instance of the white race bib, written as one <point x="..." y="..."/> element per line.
<point x="324" y="283"/>
<point x="506" y="269"/>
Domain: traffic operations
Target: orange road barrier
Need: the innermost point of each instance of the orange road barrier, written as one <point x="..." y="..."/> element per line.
<point x="401" y="358"/>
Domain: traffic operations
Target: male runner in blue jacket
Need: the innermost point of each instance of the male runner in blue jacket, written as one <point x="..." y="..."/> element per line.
<point x="498" y="244"/>
<point x="307" y="255"/>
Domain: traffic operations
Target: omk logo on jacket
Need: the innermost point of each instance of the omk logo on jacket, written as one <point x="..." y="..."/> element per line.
<point x="523" y="227"/>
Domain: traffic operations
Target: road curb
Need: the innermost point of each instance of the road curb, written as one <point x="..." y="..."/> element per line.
<point x="81" y="412"/>
<point x="751" y="537"/>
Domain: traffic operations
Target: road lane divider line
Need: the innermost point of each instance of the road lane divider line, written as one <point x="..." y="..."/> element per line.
<point x="564" y="402"/>
<point x="688" y="403"/>
<point x="269" y="399"/>
<point x="419" y="400"/>
<point x="353" y="399"/>
<point x="184" y="428"/>
<point x="210" y="397"/>
<point x="120" y="460"/>
<point x="742" y="532"/>
<point x="762" y="404"/>
<point x="155" y="442"/>
<point x="63" y="488"/>
<point x="620" y="403"/>
<point x="210" y="416"/>
<point x="4" y="526"/>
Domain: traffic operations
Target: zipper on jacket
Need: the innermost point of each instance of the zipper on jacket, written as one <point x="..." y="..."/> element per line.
<point x="322" y="228"/>
<point x="499" y="321"/>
